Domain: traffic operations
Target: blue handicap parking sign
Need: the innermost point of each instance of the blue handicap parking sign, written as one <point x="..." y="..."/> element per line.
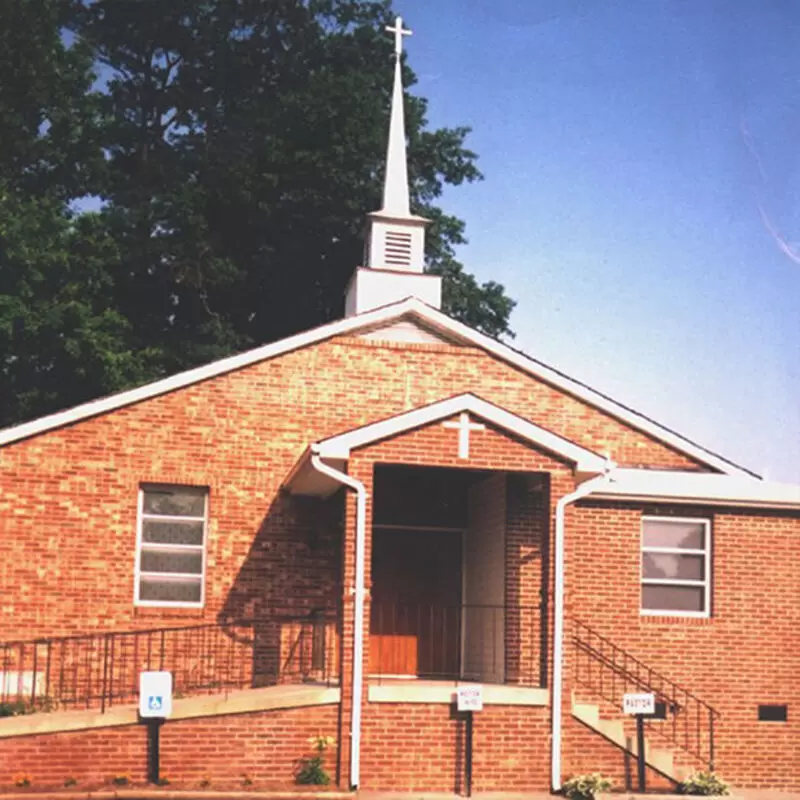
<point x="155" y="694"/>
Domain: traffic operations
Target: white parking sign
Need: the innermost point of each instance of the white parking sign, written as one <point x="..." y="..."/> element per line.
<point x="155" y="694"/>
<point x="469" y="698"/>
<point x="639" y="703"/>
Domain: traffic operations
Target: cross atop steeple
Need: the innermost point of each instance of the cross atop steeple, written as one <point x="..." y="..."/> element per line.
<point x="399" y="32"/>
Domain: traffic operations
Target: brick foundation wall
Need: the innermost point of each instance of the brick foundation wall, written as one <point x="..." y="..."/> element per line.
<point x="415" y="747"/>
<point x="264" y="746"/>
<point x="92" y="757"/>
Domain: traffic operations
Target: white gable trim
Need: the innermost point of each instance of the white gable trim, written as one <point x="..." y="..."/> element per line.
<point x="697" y="487"/>
<point x="411" y="307"/>
<point x="340" y="447"/>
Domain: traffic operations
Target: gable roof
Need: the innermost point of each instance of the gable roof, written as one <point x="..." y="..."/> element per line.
<point x="336" y="450"/>
<point x="408" y="308"/>
<point x="340" y="446"/>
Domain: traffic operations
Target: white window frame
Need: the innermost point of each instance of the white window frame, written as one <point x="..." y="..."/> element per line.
<point x="174" y="576"/>
<point x="705" y="583"/>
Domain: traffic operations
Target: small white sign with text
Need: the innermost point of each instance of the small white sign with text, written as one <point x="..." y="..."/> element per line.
<point x="639" y="703"/>
<point x="155" y="694"/>
<point x="469" y="698"/>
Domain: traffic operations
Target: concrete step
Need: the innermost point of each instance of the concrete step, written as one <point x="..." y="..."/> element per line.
<point x="659" y="758"/>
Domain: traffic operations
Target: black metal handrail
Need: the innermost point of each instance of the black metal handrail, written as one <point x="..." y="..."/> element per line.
<point x="473" y="642"/>
<point x="682" y="718"/>
<point x="96" y="671"/>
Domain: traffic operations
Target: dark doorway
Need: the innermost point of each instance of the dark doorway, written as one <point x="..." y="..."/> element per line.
<point x="416" y="602"/>
<point x="419" y="522"/>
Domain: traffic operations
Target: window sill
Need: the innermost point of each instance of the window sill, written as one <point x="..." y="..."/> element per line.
<point x="168" y="612"/>
<point x="675" y="617"/>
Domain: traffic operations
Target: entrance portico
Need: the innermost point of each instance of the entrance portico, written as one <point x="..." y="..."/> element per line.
<point x="453" y="551"/>
<point x="455" y="537"/>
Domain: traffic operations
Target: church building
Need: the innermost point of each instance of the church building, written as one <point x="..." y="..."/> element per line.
<point x="331" y="536"/>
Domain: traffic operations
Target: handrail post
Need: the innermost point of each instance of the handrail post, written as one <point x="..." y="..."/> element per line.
<point x="47" y="669"/>
<point x="111" y="664"/>
<point x="20" y="670"/>
<point x="105" y="675"/>
<point x="35" y="672"/>
<point x="710" y="739"/>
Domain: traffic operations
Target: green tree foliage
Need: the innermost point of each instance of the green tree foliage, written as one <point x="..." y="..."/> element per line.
<point x="237" y="146"/>
<point x="60" y="341"/>
<point x="49" y="125"/>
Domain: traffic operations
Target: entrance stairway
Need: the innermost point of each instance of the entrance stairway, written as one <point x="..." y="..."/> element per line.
<point x="679" y="737"/>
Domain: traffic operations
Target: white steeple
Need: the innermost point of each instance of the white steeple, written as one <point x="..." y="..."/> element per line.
<point x="395" y="184"/>
<point x="394" y="250"/>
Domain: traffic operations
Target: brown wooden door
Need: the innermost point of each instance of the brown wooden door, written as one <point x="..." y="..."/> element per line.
<point x="415" y="626"/>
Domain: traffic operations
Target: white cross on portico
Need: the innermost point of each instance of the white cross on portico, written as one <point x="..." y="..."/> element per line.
<point x="464" y="426"/>
<point x="399" y="32"/>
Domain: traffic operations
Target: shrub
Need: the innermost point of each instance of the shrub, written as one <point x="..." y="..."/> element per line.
<point x="14" y="709"/>
<point x="247" y="780"/>
<point x="18" y="708"/>
<point x="70" y="780"/>
<point x="311" y="771"/>
<point x="585" y="787"/>
<point x="121" y="780"/>
<point x="704" y="783"/>
<point x="22" y="779"/>
<point x="205" y="783"/>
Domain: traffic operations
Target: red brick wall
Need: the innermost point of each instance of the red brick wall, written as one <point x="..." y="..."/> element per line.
<point x="68" y="520"/>
<point x="746" y="653"/>
<point x="68" y="497"/>
<point x="264" y="746"/>
<point x="92" y="757"/>
<point x="415" y="747"/>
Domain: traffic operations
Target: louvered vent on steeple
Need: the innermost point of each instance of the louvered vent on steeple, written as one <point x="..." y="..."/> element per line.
<point x="398" y="249"/>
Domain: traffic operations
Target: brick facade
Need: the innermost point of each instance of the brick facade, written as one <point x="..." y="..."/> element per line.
<point x="227" y="751"/>
<point x="68" y="518"/>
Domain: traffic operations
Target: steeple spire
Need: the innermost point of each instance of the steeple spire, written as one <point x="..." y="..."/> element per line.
<point x="395" y="185"/>
<point x="394" y="252"/>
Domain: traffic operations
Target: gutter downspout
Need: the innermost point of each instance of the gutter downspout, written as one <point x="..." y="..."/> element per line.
<point x="359" y="592"/>
<point x="558" y="616"/>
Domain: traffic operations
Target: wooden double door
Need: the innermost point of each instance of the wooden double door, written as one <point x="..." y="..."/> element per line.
<point x="416" y="622"/>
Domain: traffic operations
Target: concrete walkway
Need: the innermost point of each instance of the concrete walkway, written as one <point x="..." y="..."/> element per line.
<point x="311" y="794"/>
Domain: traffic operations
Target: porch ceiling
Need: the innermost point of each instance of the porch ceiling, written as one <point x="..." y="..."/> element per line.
<point x="336" y="450"/>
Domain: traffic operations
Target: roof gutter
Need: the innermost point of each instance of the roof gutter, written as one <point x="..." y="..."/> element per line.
<point x="700" y="499"/>
<point x="358" y="593"/>
<point x="582" y="491"/>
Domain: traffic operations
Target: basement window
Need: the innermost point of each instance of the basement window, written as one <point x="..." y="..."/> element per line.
<point x="773" y="713"/>
<point x="676" y="566"/>
<point x="171" y="546"/>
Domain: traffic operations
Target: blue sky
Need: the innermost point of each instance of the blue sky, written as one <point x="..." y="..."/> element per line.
<point x="641" y="199"/>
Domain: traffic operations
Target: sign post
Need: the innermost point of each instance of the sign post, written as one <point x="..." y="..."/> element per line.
<point x="640" y="705"/>
<point x="468" y="700"/>
<point x="155" y="705"/>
